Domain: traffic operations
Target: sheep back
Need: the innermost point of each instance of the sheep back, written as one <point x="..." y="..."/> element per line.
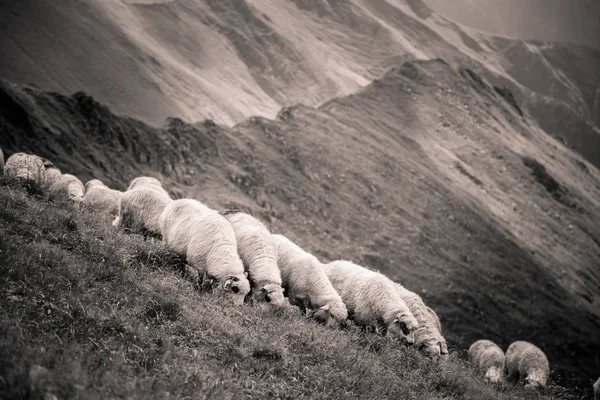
<point x="139" y="209"/>
<point x="144" y="181"/>
<point x="596" y="387"/>
<point x="26" y="166"/>
<point x="256" y="247"/>
<point x="68" y="186"/>
<point x="488" y="357"/>
<point x="208" y="242"/>
<point x="93" y="182"/>
<point x="305" y="282"/>
<point x="527" y="363"/>
<point x="101" y="197"/>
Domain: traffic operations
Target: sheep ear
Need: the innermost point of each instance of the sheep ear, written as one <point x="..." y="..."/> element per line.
<point x="227" y="283"/>
<point x="325" y="307"/>
<point x="246" y="274"/>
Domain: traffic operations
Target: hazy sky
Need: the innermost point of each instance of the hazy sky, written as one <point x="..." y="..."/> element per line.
<point x="574" y="21"/>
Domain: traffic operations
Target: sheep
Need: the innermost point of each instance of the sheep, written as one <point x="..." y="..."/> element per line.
<point x="207" y="241"/>
<point x="69" y="186"/>
<point x="596" y="387"/>
<point x="101" y="197"/>
<point x="428" y="335"/>
<point x="257" y="249"/>
<point x="139" y="209"/>
<point x="51" y="175"/>
<point x="372" y="299"/>
<point x="487" y="356"/>
<point x="306" y="284"/>
<point x="27" y="166"/>
<point x="528" y="363"/>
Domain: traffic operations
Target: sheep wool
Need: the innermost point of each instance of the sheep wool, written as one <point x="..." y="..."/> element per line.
<point x="51" y="176"/>
<point x="139" y="209"/>
<point x="1" y="163"/>
<point x="305" y="282"/>
<point x="68" y="186"/>
<point x="428" y="335"/>
<point x="208" y="243"/>
<point x="144" y="181"/>
<point x="489" y="358"/>
<point x="100" y="197"/>
<point x="596" y="387"/>
<point x="372" y="299"/>
<point x="256" y="247"/>
<point x="527" y="363"/>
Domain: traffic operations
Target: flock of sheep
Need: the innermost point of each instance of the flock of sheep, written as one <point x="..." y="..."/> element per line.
<point x="234" y="254"/>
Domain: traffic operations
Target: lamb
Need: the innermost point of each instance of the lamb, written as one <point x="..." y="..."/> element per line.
<point x="597" y="390"/>
<point x="101" y="197"/>
<point x="488" y="356"/>
<point x="69" y="186"/>
<point x="208" y="242"/>
<point x="27" y="166"/>
<point x="306" y="284"/>
<point x="256" y="247"/>
<point x="528" y="363"/>
<point x="372" y="300"/>
<point x="428" y="335"/>
<point x="139" y="208"/>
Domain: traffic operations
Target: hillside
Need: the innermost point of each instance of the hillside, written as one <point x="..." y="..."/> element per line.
<point x="230" y="60"/>
<point x="91" y="313"/>
<point x="428" y="174"/>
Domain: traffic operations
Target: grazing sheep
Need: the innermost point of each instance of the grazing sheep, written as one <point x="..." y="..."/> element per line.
<point x="428" y="336"/>
<point x="1" y="163"/>
<point x="257" y="249"/>
<point x="305" y="282"/>
<point x="100" y="197"/>
<point x="144" y="181"/>
<point x="597" y="390"/>
<point x="528" y="363"/>
<point x="372" y="299"/>
<point x="208" y="242"/>
<point x="27" y="166"/>
<point x="69" y="186"/>
<point x="488" y="357"/>
<point x="139" y="209"/>
<point x="51" y="176"/>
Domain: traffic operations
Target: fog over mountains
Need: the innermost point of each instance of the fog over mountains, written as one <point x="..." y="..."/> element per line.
<point x="461" y="164"/>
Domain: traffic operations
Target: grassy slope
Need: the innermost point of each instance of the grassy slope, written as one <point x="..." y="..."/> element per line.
<point x="420" y="175"/>
<point x="108" y="315"/>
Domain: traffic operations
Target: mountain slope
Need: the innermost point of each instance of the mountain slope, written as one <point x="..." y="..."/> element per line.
<point x="229" y="60"/>
<point x="428" y="174"/>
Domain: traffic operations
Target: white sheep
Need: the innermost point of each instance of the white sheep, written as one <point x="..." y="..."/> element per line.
<point x="528" y="363"/>
<point x="51" y="176"/>
<point x="597" y="390"/>
<point x="139" y="209"/>
<point x="257" y="249"/>
<point x="207" y="241"/>
<point x="372" y="299"/>
<point x="305" y="282"/>
<point x="428" y="335"/>
<point x="27" y="166"/>
<point x="68" y="186"/>
<point x="100" y="197"/>
<point x="488" y="357"/>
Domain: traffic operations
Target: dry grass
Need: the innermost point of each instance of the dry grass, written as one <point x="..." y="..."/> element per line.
<point x="108" y="315"/>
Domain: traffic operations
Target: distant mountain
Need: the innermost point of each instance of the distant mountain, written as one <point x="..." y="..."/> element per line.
<point x="428" y="174"/>
<point x="231" y="59"/>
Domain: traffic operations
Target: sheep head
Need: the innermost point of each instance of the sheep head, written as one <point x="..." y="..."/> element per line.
<point x="535" y="379"/>
<point x="322" y="314"/>
<point x="403" y="326"/>
<point x="270" y="293"/>
<point x="236" y="288"/>
<point x="493" y="374"/>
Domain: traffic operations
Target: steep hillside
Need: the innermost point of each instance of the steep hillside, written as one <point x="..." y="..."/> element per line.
<point x="428" y="174"/>
<point x="229" y="60"/>
<point x="88" y="312"/>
